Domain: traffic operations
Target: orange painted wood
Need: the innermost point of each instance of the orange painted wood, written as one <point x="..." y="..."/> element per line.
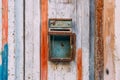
<point x="44" y="39"/>
<point x="4" y="22"/>
<point x="79" y="64"/>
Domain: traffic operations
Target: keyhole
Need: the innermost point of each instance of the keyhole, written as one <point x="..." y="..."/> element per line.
<point x="53" y="22"/>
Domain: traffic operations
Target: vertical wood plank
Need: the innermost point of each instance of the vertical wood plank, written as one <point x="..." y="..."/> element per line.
<point x="108" y="33"/>
<point x="99" y="44"/>
<point x="92" y="40"/>
<point x="117" y="40"/>
<point x="44" y="40"/>
<point x="19" y="46"/>
<point x="85" y="38"/>
<point x="11" y="40"/>
<point x="36" y="59"/>
<point x="104" y="40"/>
<point x="29" y="39"/>
<point x="78" y="31"/>
<point x="0" y="38"/>
<point x="4" y="75"/>
<point x="32" y="39"/>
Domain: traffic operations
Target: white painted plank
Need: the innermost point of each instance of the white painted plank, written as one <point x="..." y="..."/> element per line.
<point x="11" y="40"/>
<point x="85" y="38"/>
<point x="61" y="9"/>
<point x="29" y="39"/>
<point x="32" y="40"/>
<point x="19" y="57"/>
<point x="36" y="41"/>
<point x="117" y="40"/>
<point x="0" y="31"/>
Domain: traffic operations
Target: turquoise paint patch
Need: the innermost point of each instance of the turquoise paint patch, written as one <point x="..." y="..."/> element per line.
<point x="0" y="68"/>
<point x="1" y="72"/>
<point x="4" y="66"/>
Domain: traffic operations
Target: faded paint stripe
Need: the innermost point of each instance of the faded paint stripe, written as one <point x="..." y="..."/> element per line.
<point x="44" y="40"/>
<point x="79" y="64"/>
<point x="4" y="22"/>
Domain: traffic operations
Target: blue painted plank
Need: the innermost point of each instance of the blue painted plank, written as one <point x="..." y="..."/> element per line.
<point x="4" y="65"/>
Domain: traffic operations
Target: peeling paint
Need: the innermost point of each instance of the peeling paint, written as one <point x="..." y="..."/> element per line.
<point x="5" y="62"/>
<point x="4" y="65"/>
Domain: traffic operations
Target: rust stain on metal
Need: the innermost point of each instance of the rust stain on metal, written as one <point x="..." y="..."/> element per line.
<point x="99" y="43"/>
<point x="44" y="40"/>
<point x="79" y="64"/>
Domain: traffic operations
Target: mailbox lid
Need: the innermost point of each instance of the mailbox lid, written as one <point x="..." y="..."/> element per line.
<point x="60" y="23"/>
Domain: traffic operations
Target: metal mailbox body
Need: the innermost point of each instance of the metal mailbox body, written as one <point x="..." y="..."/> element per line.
<point x="61" y="40"/>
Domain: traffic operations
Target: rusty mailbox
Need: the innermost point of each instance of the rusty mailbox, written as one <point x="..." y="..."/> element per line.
<point x="61" y="40"/>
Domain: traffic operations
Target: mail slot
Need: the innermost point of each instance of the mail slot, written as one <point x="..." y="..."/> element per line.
<point x="61" y="40"/>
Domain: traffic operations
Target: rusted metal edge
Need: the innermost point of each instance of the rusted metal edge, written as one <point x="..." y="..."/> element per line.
<point x="61" y="19"/>
<point x="72" y="42"/>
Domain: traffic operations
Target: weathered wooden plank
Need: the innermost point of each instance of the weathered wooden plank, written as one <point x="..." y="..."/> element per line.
<point x="78" y="31"/>
<point x="4" y="66"/>
<point x="104" y="40"/>
<point x="19" y="46"/>
<point x="32" y="39"/>
<point x="91" y="36"/>
<point x="29" y="39"/>
<point x="117" y="40"/>
<point x="85" y="37"/>
<point x="44" y="40"/>
<point x="0" y="37"/>
<point x="99" y="44"/>
<point x="36" y="59"/>
<point x="108" y="34"/>
<point x="11" y="40"/>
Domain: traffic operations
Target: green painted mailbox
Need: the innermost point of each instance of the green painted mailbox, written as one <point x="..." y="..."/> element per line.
<point x="61" y="40"/>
